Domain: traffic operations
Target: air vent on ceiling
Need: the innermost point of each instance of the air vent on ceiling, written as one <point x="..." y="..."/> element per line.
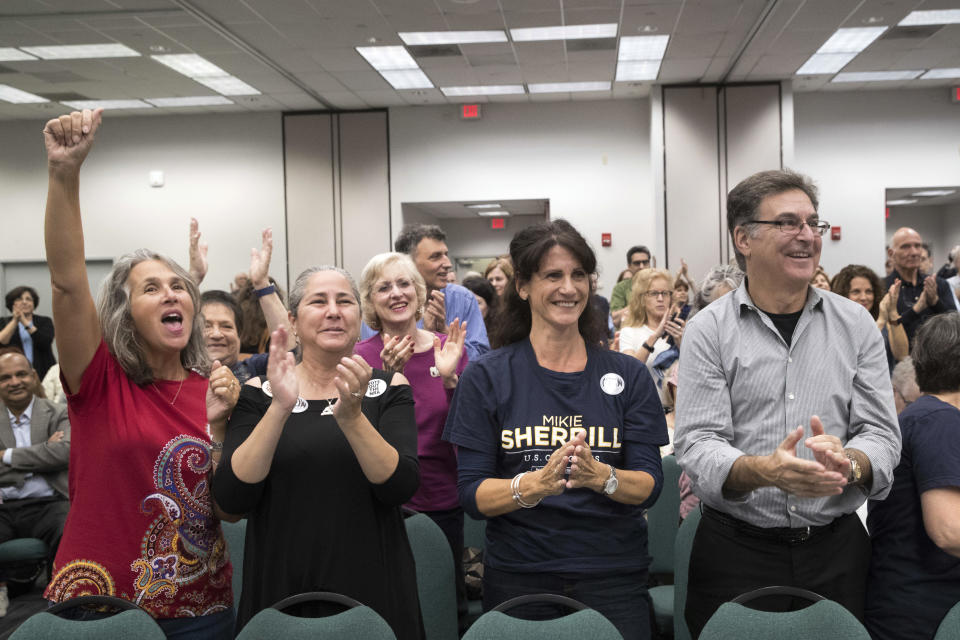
<point x="911" y="33"/>
<point x="592" y="44"/>
<point x="434" y="50"/>
<point x="64" y="97"/>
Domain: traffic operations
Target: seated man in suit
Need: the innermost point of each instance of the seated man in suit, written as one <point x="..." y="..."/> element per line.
<point x="35" y="441"/>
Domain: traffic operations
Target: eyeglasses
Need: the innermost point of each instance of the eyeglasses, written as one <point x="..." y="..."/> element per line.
<point x="659" y="294"/>
<point x="640" y="263"/>
<point x="793" y="226"/>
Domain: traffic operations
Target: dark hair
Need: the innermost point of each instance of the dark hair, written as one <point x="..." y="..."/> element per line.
<point x="411" y="235"/>
<point x="481" y="286"/>
<point x="639" y="248"/>
<point x="253" y="334"/>
<point x="218" y="296"/>
<point x="936" y="354"/>
<point x="841" y="284"/>
<point x="527" y="250"/>
<point x="14" y="294"/>
<point x="928" y="249"/>
<point x="745" y="198"/>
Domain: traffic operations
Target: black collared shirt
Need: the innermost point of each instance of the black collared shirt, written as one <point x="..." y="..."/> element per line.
<point x="910" y="293"/>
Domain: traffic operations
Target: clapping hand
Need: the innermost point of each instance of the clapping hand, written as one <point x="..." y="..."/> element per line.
<point x="396" y="352"/>
<point x="435" y="313"/>
<point x="447" y="357"/>
<point x="827" y="450"/>
<point x="585" y="470"/>
<point x="352" y="381"/>
<point x="260" y="260"/>
<point x="800" y="477"/>
<point x="282" y="371"/>
<point x="930" y="290"/>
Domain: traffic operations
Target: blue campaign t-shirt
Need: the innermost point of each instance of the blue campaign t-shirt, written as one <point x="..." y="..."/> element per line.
<point x="512" y="412"/>
<point x="913" y="583"/>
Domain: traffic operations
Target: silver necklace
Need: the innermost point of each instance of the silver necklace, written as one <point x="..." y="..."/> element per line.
<point x="175" y="396"/>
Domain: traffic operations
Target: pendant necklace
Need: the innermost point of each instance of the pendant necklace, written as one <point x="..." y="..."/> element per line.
<point x="175" y="396"/>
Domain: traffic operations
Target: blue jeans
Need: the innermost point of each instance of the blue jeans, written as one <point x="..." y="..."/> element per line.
<point x="217" y="626"/>
<point x="622" y="598"/>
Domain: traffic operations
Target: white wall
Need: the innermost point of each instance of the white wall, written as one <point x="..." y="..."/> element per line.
<point x="939" y="226"/>
<point x="590" y="159"/>
<point x="226" y="170"/>
<point x="857" y="144"/>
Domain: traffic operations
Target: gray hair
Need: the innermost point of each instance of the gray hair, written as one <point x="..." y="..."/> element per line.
<point x="411" y="235"/>
<point x="300" y="286"/>
<point x="745" y="198"/>
<point x="904" y="380"/>
<point x="722" y="274"/>
<point x="372" y="272"/>
<point x="118" y="327"/>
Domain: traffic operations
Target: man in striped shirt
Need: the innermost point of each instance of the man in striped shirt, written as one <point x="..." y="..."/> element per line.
<point x="785" y="415"/>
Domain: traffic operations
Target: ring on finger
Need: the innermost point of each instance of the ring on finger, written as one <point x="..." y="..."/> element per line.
<point x="356" y="394"/>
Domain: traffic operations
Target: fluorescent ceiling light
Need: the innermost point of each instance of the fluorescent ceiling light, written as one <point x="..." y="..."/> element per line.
<point x="932" y="193"/>
<point x="569" y="32"/>
<point x="78" y="51"/>
<point x="194" y="101"/>
<point x="642" y="47"/>
<point x="107" y="104"/>
<point x="190" y="65"/>
<point x="16" y="96"/>
<point x="407" y="79"/>
<point x="635" y="70"/>
<point x="839" y="49"/>
<point x="823" y="63"/>
<point x="942" y="16"/>
<point x="936" y="74"/>
<point x="484" y="205"/>
<point x="451" y="37"/>
<point x="388" y="58"/>
<point x="894" y="203"/>
<point x="483" y="90"/>
<point x="875" y="76"/>
<point x="11" y="54"/>
<point x="228" y="86"/>
<point x="563" y="87"/>
<point x="493" y="214"/>
<point x="852" y="40"/>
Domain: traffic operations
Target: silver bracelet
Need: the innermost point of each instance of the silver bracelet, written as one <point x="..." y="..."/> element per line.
<point x="517" y="496"/>
<point x="216" y="447"/>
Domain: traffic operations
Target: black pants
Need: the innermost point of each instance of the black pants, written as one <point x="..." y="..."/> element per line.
<point x="41" y="518"/>
<point x="727" y="561"/>
<point x="451" y="522"/>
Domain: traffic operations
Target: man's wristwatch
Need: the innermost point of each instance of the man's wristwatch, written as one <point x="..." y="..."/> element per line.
<point x="856" y="471"/>
<point x="611" y="485"/>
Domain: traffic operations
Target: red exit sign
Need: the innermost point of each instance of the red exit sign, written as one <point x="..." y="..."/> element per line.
<point x="469" y="112"/>
<point x="955" y="94"/>
<point x="498" y="223"/>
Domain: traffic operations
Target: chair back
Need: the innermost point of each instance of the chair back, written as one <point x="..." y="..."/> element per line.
<point x="582" y="623"/>
<point x="358" y="621"/>
<point x="436" y="581"/>
<point x="235" y="534"/>
<point x="823" y="619"/>
<point x="130" y="622"/>
<point x="474" y="532"/>
<point x="663" y="519"/>
<point x="681" y="570"/>
<point x="950" y="625"/>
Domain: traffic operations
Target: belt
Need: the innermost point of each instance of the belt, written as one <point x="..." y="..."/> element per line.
<point x="786" y="535"/>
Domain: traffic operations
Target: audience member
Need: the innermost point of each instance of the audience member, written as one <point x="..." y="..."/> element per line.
<point x="320" y="457"/>
<point x="775" y="354"/>
<point x="31" y="333"/>
<point x="487" y="298"/>
<point x="426" y="244"/>
<point x="820" y="279"/>
<point x="638" y="258"/>
<point x="926" y="258"/>
<point x="921" y="295"/>
<point x="904" y="381"/>
<point x="499" y="273"/>
<point x="949" y="268"/>
<point x="570" y="522"/>
<point x="142" y="421"/>
<point x="863" y="286"/>
<point x="52" y="387"/>
<point x="392" y="295"/>
<point x="35" y="440"/>
<point x="915" y="531"/>
<point x="626" y="274"/>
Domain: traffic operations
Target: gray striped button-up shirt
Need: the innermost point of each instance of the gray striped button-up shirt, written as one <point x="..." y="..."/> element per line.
<point x="742" y="389"/>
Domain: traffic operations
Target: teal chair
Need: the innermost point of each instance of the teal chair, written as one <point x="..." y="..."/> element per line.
<point x="822" y="619"/>
<point x="23" y="559"/>
<point x="583" y="623"/>
<point x="130" y="622"/>
<point x="474" y="535"/>
<point x="681" y="571"/>
<point x="949" y="628"/>
<point x="663" y="520"/>
<point x="235" y="533"/>
<point x="357" y="621"/>
<point x="435" y="577"/>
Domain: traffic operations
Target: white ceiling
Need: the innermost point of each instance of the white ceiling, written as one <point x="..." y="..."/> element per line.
<point x="300" y="53"/>
<point x="924" y="201"/>
<point x="459" y="209"/>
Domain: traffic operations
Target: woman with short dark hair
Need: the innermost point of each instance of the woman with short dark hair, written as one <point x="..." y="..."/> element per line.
<point x="915" y="531"/>
<point x="30" y="332"/>
<point x="558" y="442"/>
